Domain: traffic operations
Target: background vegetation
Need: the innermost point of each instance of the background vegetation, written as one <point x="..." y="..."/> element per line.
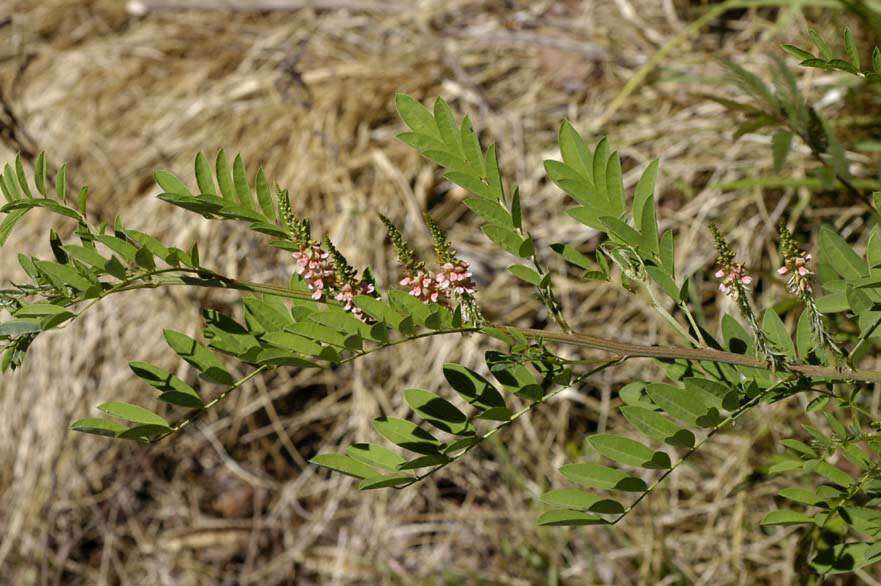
<point x="307" y="89"/>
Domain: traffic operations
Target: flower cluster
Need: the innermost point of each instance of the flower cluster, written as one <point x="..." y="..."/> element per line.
<point x="735" y="282"/>
<point x="325" y="270"/>
<point x="423" y="285"/>
<point x="314" y="265"/>
<point x="455" y="279"/>
<point x="451" y="284"/>
<point x="733" y="278"/>
<point x="795" y="264"/>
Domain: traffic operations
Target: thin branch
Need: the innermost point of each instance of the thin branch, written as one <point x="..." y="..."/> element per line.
<point x="573" y="339"/>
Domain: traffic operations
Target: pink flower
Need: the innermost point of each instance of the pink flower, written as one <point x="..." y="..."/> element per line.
<point x="455" y="279"/>
<point x="423" y="286"/>
<point x="346" y="295"/>
<point x="799" y="272"/>
<point x="733" y="275"/>
<point x="313" y="264"/>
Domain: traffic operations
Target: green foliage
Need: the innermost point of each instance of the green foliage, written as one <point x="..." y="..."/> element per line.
<point x="322" y="322"/>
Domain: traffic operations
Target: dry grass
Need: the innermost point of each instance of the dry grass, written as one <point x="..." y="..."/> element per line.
<point x="309" y="93"/>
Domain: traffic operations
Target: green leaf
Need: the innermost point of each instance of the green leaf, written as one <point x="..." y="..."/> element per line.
<point x="9" y="223"/>
<point x="615" y="185"/>
<point x="39" y="310"/>
<point x="564" y="518"/>
<point x="683" y="404"/>
<point x="174" y="390"/>
<point x="851" y="48"/>
<point x="714" y="393"/>
<point x="385" y="481"/>
<point x="416" y="116"/>
<point x="571" y="255"/>
<point x="834" y="474"/>
<point x="203" y="176"/>
<point x="63" y="275"/>
<point x="620" y="230"/>
<point x="627" y="451"/>
<point x="657" y="426"/>
<point x="40" y="174"/>
<point x="774" y="328"/>
<point x="876" y="60"/>
<point x="798" y="53"/>
<point x="472" y="387"/>
<point x="103" y="427"/>
<point x="375" y="455"/>
<point x="525" y="273"/>
<point x="438" y="412"/>
<point x="471" y="147"/>
<point x="224" y="177"/>
<point x="240" y="181"/>
<point x="645" y="189"/>
<point x="800" y="495"/>
<point x="61" y="183"/>
<point x="490" y="211"/>
<point x="787" y="517"/>
<point x="804" y="336"/>
<point x="781" y="143"/>
<point x="264" y="198"/>
<point x="133" y="413"/>
<point x="665" y="281"/>
<point x="574" y="151"/>
<point x="822" y="46"/>
<point x="19" y="327"/>
<point x="170" y="183"/>
<point x="504" y="237"/>
<point x="22" y="177"/>
<point x="407" y="435"/>
<point x="449" y="131"/>
<point x="344" y="464"/>
<point x="845" y="558"/>
<point x="838" y="255"/>
<point x="598" y="476"/>
<point x="572" y="498"/>
<point x="124" y="249"/>
<point x="197" y="355"/>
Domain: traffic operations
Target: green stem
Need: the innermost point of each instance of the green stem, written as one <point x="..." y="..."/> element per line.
<point x="569" y="338"/>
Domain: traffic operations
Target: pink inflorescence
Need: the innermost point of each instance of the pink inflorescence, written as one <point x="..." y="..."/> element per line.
<point x="455" y="279"/>
<point x="731" y="277"/>
<point x="422" y="285"/>
<point x="796" y="268"/>
<point x="315" y="266"/>
<point x="346" y="296"/>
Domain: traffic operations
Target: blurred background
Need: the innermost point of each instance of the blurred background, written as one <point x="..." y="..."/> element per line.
<point x="306" y="88"/>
